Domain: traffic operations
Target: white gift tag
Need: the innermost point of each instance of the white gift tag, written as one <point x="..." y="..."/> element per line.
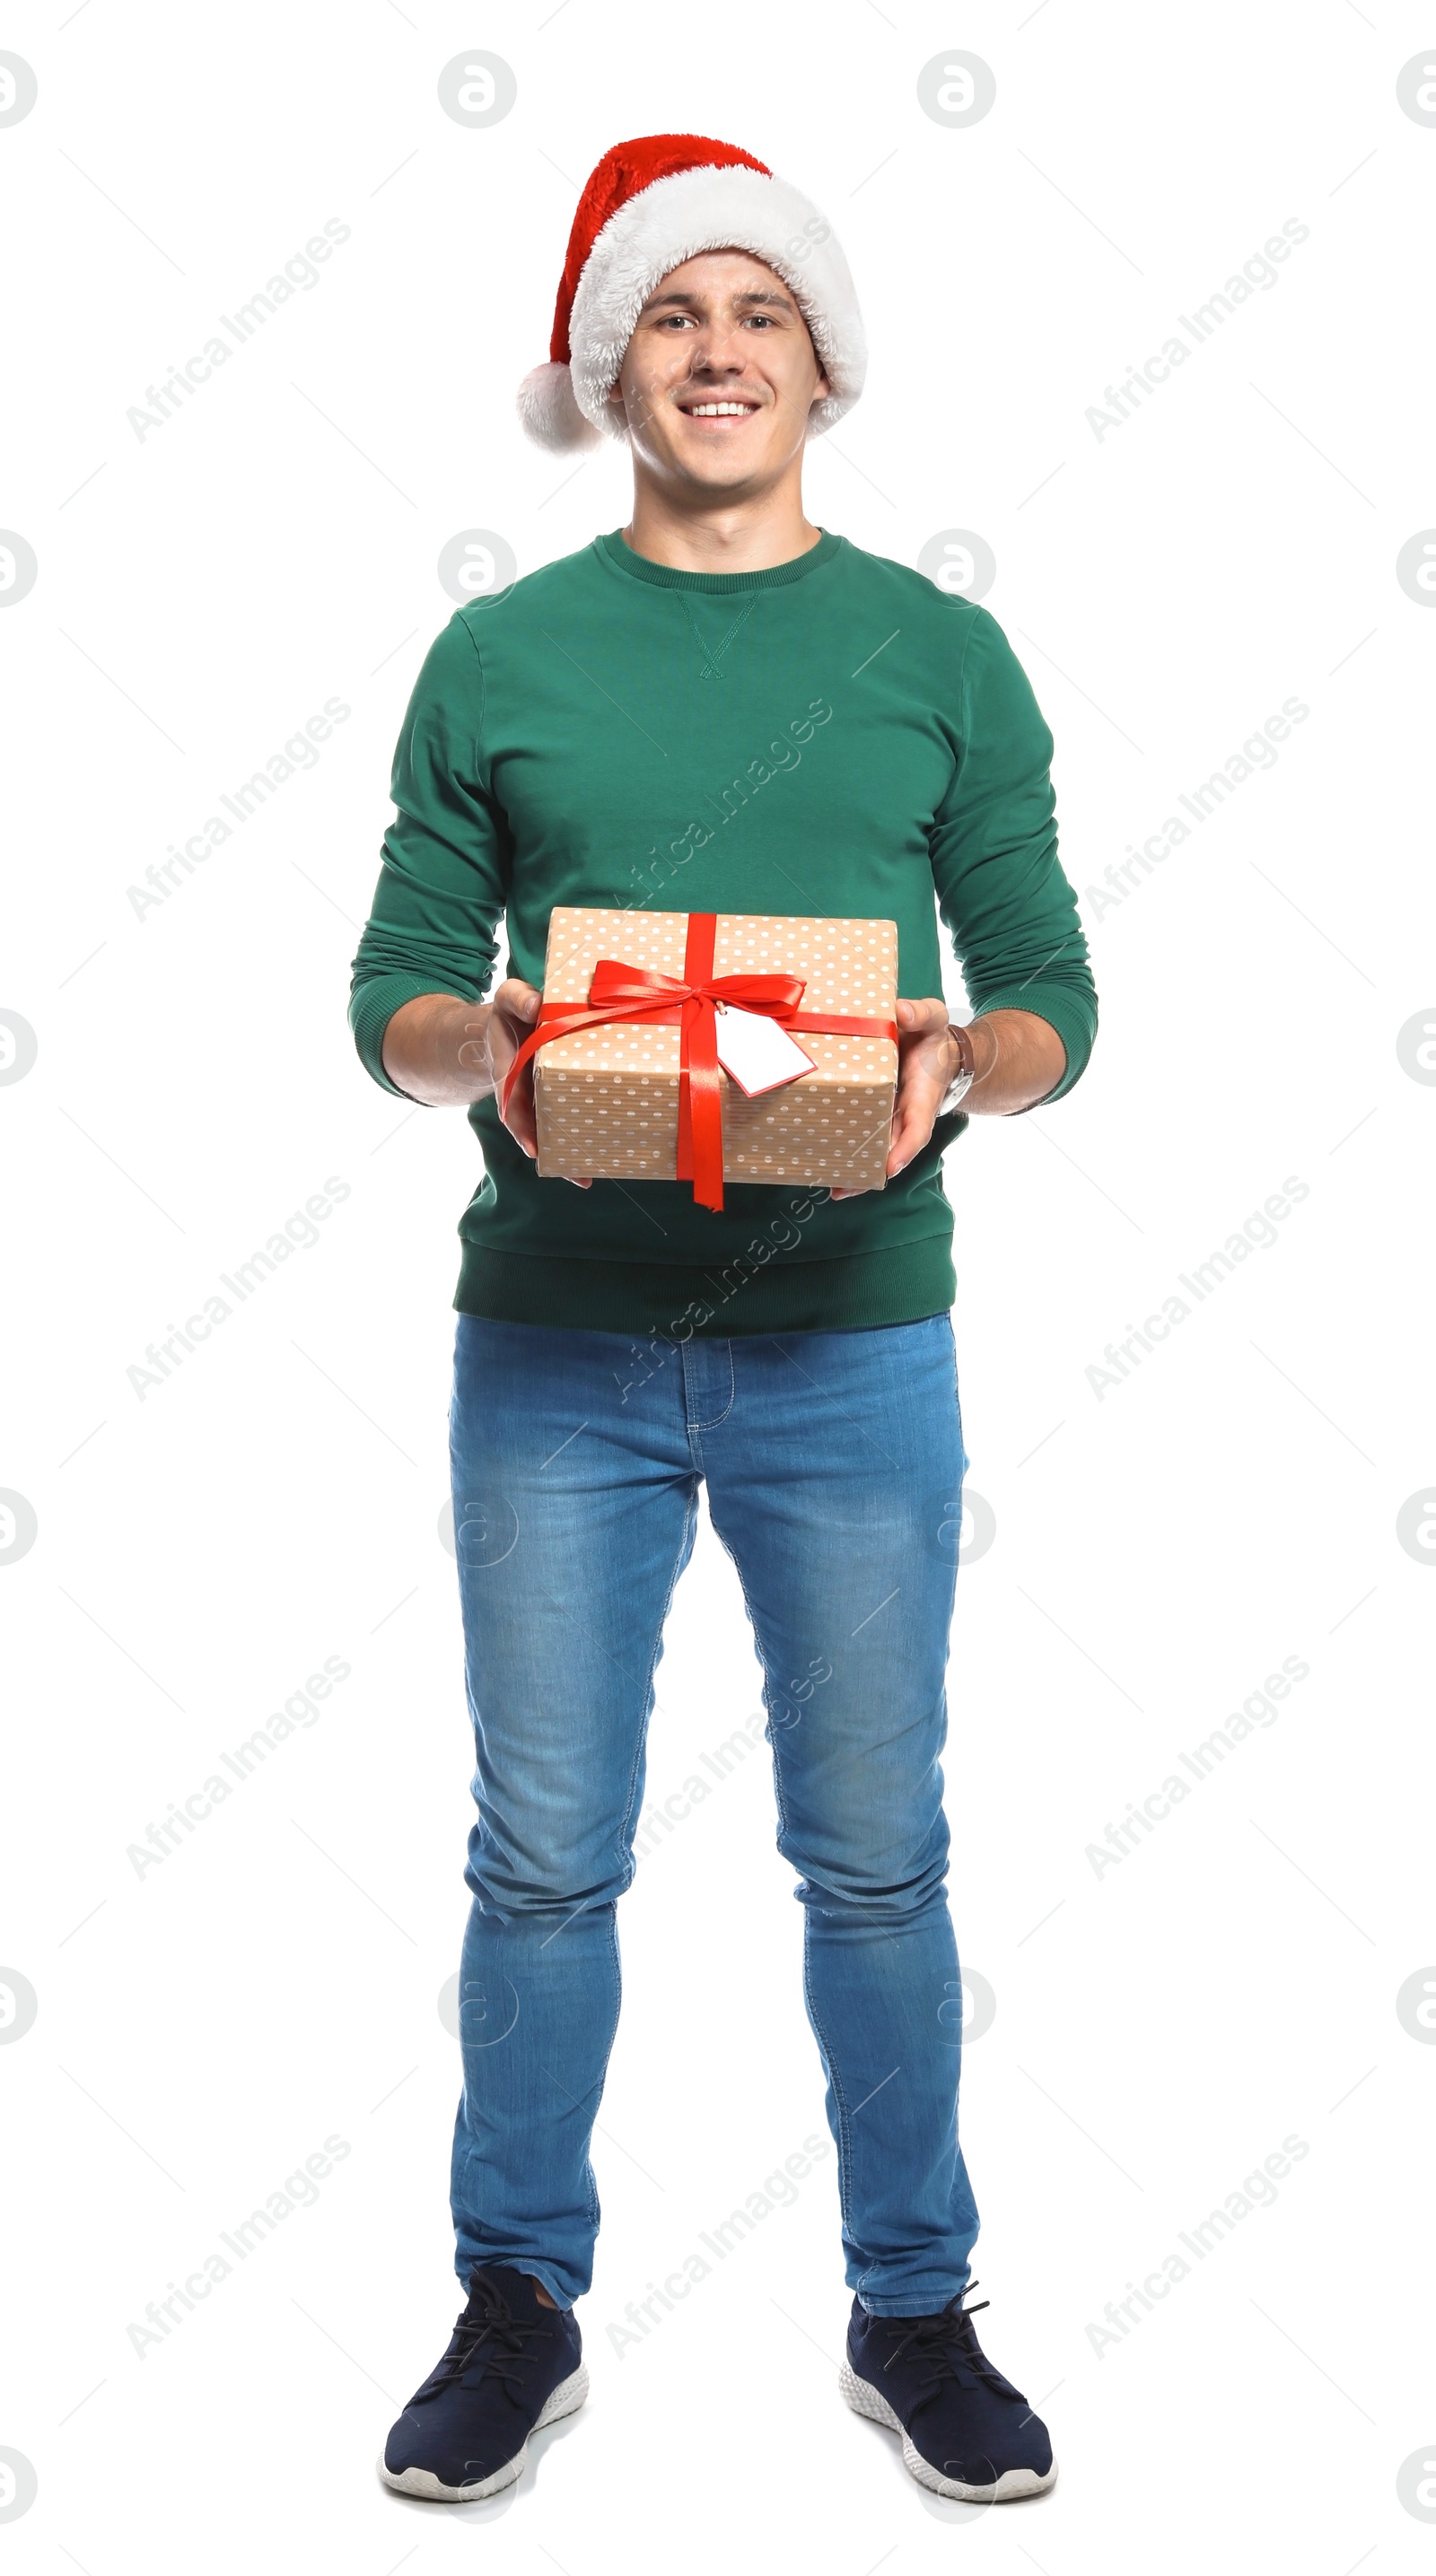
<point x="758" y="1052"/>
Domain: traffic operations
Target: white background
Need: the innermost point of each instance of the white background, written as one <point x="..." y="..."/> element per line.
<point x="1158" y="1550"/>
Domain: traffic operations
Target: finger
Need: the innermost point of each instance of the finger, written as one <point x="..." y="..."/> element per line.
<point x="516" y="1006"/>
<point x="922" y="1017"/>
<point x="913" y="1120"/>
<point x="920" y="1088"/>
<point x="519" y="1117"/>
<point x="908" y="1139"/>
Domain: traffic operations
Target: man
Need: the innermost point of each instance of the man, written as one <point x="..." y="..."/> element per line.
<point x="720" y="706"/>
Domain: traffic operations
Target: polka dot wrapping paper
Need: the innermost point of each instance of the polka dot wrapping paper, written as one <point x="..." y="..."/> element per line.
<point x="607" y="1097"/>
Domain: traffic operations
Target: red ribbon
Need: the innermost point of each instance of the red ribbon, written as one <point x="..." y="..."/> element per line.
<point x="622" y="992"/>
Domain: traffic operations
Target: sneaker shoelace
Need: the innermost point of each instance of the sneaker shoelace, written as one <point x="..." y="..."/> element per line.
<point x="947" y="2343"/>
<point x="496" y="2340"/>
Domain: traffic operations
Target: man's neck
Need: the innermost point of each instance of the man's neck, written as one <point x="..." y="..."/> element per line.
<point x="727" y="536"/>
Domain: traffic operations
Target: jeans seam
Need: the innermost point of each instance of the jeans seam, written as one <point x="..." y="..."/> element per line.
<point x="845" y="2134"/>
<point x="627" y="1828"/>
<point x="845" y="2129"/>
<point x="719" y="1418"/>
<point x="595" y="2212"/>
<point x="752" y="1616"/>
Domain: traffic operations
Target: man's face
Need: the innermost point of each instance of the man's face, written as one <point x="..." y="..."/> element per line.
<point x="720" y="375"/>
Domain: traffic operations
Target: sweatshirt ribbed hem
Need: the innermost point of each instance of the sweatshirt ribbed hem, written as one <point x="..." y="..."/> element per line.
<point x="666" y="1301"/>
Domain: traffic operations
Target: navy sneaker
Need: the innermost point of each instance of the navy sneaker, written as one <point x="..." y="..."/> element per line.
<point x="512" y="2365"/>
<point x="966" y="2431"/>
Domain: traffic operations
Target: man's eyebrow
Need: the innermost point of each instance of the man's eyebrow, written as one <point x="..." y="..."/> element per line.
<point x="754" y="295"/>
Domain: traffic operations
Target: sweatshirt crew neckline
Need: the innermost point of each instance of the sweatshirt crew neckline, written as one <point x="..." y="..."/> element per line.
<point x="615" y="550"/>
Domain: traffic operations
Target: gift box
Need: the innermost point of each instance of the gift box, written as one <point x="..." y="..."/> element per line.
<point x="639" y="1008"/>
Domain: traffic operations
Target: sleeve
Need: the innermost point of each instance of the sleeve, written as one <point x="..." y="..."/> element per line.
<point x="1000" y="887"/>
<point x="443" y="882"/>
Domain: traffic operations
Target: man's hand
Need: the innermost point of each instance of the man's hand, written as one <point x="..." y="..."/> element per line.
<point x="511" y="1017"/>
<point x="1020" y="1058"/>
<point x="448" y="1054"/>
<point x="437" y="1048"/>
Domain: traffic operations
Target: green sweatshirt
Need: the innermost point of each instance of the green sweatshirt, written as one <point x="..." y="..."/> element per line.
<point x="835" y="736"/>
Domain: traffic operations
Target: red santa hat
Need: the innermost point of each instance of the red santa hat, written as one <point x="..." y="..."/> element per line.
<point x="648" y="206"/>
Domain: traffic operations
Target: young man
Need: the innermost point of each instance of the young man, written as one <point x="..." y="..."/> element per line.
<point x="718" y="707"/>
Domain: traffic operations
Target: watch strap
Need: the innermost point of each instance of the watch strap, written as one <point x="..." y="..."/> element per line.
<point x="963" y="1079"/>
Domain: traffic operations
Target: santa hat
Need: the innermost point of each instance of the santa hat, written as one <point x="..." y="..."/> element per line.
<point x="648" y="206"/>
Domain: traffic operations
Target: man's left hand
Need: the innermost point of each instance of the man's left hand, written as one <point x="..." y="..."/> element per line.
<point x="1020" y="1058"/>
<point x="928" y="1060"/>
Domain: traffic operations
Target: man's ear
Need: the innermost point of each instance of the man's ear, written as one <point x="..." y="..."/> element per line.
<point x="823" y="387"/>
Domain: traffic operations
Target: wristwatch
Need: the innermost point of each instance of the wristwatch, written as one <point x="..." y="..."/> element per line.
<point x="962" y="1080"/>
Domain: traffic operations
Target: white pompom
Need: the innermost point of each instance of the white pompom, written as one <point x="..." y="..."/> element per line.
<point x="549" y="413"/>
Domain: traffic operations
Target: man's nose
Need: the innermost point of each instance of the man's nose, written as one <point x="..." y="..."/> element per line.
<point x="715" y="352"/>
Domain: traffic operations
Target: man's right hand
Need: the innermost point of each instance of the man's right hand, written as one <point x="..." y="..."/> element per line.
<point x="449" y="1053"/>
<point x="511" y="1017"/>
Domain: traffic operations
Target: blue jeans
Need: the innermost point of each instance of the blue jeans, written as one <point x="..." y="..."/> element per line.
<point x="834" y="1466"/>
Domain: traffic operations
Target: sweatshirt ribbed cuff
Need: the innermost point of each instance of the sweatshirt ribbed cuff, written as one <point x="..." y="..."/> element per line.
<point x="372" y="1006"/>
<point x="1063" y="1012"/>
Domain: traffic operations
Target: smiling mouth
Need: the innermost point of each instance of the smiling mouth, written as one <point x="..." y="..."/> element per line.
<point x="719" y="410"/>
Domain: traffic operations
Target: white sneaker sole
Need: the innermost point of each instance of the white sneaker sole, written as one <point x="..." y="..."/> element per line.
<point x="566" y="2400"/>
<point x="864" y="2399"/>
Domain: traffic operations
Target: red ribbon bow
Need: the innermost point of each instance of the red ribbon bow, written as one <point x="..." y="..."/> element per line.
<point x="623" y="992"/>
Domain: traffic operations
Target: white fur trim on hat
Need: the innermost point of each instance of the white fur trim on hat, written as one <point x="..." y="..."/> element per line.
<point x="713" y="209"/>
<point x="549" y="413"/>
